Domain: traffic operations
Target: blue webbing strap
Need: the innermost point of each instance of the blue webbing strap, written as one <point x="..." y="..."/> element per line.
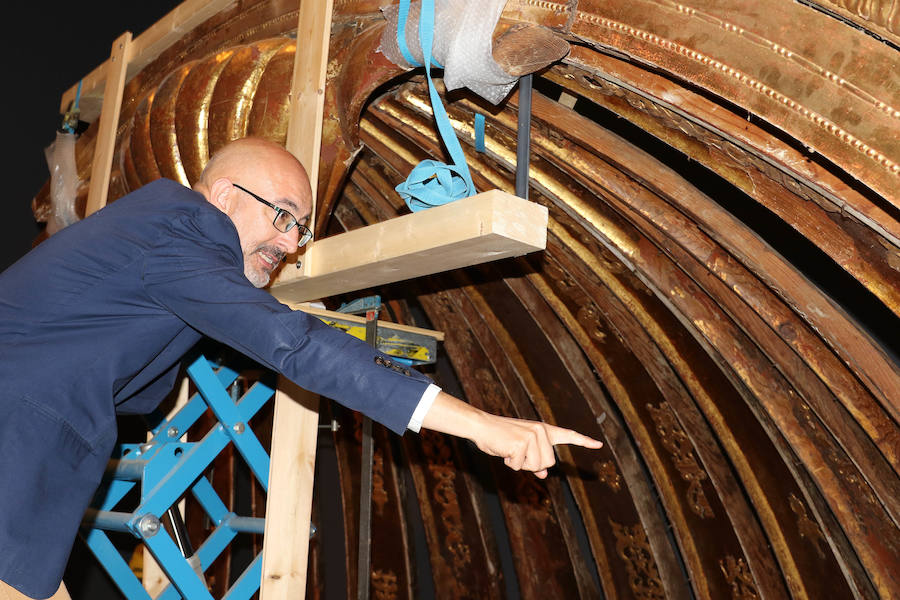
<point x="431" y="182"/>
<point x="479" y="132"/>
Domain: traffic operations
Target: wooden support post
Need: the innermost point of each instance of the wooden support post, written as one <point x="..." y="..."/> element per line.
<point x="304" y="135"/>
<point x="109" y="119"/>
<point x="295" y="428"/>
<point x="289" y="501"/>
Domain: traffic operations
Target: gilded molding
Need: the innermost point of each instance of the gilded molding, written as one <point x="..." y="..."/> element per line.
<point x="757" y="86"/>
<point x="670" y="119"/>
<point x="849" y="474"/>
<point x="788" y="54"/>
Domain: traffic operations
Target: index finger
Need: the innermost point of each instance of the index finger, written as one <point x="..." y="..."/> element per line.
<point x="561" y="435"/>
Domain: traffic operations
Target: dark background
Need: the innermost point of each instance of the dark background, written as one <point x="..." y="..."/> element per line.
<point x="47" y="48"/>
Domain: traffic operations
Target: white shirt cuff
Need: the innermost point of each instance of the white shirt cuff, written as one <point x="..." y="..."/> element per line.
<point x="425" y="402"/>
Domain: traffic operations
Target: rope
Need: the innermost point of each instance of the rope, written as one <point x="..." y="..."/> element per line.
<point x="431" y="182"/>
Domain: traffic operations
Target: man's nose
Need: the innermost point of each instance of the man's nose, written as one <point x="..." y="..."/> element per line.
<point x="290" y="240"/>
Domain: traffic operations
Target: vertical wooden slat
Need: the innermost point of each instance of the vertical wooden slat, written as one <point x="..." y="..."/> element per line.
<point x="289" y="502"/>
<point x="109" y="119"/>
<point x="295" y="428"/>
<point x="304" y="136"/>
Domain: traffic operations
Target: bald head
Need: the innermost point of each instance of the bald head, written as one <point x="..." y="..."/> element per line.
<point x="254" y="155"/>
<point x="266" y="170"/>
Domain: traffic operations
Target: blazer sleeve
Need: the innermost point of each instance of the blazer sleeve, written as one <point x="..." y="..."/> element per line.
<point x="196" y="273"/>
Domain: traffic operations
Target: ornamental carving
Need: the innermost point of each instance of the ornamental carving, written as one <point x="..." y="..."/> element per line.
<point x="633" y="548"/>
<point x="607" y="473"/>
<point x="442" y="469"/>
<point x="379" y="493"/>
<point x="385" y="585"/>
<point x="808" y="528"/>
<point x="676" y="442"/>
<point x="884" y="13"/>
<point x="589" y="318"/>
<point x="739" y="578"/>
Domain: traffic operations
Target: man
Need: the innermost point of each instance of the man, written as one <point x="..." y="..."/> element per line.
<point x="95" y="320"/>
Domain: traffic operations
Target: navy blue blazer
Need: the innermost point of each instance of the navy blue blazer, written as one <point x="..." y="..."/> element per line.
<point x="95" y="320"/>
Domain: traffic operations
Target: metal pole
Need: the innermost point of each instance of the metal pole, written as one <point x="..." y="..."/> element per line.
<point x="365" y="482"/>
<point x="523" y="137"/>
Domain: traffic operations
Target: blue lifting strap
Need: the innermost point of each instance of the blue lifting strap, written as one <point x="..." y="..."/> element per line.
<point x="479" y="132"/>
<point x="431" y="182"/>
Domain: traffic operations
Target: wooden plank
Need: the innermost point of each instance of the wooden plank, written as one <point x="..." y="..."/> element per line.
<point x="296" y="420"/>
<point x="289" y="501"/>
<point x="304" y="135"/>
<point x="489" y="226"/>
<point x="145" y="48"/>
<point x="109" y="119"/>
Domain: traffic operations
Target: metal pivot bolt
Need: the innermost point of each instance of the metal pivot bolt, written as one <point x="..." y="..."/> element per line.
<point x="173" y="432"/>
<point x="238" y="428"/>
<point x="149" y="525"/>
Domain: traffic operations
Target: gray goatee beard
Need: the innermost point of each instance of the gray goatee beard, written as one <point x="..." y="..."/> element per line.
<point x="259" y="278"/>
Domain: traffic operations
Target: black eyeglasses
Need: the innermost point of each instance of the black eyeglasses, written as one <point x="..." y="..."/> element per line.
<point x="284" y="221"/>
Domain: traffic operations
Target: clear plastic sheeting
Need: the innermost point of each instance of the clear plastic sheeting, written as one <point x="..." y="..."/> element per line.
<point x="64" y="181"/>
<point x="463" y="32"/>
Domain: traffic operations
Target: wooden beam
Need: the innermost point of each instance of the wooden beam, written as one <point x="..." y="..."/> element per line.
<point x="489" y="226"/>
<point x="146" y="47"/>
<point x="296" y="423"/>
<point x="295" y="431"/>
<point x="304" y="135"/>
<point x="109" y="119"/>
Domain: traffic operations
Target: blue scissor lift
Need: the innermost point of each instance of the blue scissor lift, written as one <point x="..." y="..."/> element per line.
<point x="166" y="469"/>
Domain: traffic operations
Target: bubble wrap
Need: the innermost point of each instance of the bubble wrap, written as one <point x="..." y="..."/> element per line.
<point x="64" y="181"/>
<point x="462" y="43"/>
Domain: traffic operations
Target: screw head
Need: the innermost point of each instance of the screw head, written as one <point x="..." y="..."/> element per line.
<point x="238" y="428"/>
<point x="173" y="432"/>
<point x="149" y="525"/>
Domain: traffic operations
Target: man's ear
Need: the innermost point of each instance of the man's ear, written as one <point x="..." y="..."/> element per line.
<point x="221" y="194"/>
